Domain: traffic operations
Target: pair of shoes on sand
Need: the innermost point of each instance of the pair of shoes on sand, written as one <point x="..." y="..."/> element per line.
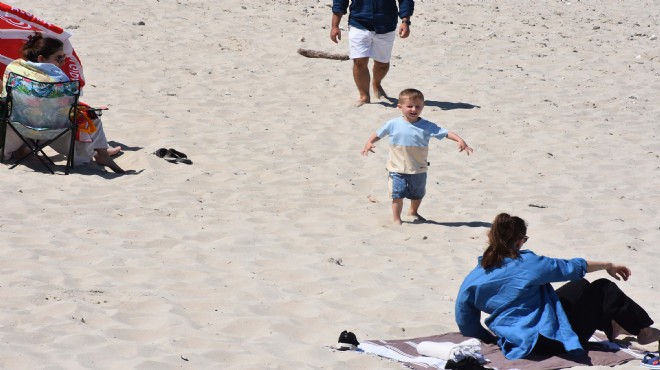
<point x="172" y="155"/>
<point x="347" y="341"/>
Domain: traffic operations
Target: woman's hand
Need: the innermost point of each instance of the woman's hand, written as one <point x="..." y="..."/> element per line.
<point x="619" y="270"/>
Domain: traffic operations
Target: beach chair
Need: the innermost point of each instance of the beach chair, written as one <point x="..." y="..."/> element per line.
<point x="40" y="113"/>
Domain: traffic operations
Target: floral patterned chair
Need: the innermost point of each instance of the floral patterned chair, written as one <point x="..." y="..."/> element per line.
<point x="40" y="113"/>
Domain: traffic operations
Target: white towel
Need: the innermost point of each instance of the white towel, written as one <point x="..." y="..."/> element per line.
<point x="452" y="351"/>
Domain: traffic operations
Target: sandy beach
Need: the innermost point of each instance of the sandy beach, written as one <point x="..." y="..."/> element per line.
<point x="279" y="235"/>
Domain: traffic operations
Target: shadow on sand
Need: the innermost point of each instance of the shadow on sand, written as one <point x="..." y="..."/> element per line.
<point x="392" y="102"/>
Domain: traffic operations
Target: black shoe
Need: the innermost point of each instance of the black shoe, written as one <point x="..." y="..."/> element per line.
<point x="347" y="341"/>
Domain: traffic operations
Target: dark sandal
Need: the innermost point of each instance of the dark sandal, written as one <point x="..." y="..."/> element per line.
<point x="172" y="156"/>
<point x="177" y="154"/>
<point x="651" y="361"/>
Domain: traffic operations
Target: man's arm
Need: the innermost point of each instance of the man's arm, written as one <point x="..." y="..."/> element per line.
<point x="404" y="28"/>
<point x="339" y="8"/>
<point x="406" y="8"/>
<point x="335" y="32"/>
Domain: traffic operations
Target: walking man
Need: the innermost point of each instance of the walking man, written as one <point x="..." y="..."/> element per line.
<point x="371" y="33"/>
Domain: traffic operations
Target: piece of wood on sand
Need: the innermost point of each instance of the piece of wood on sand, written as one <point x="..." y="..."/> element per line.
<point x="309" y="53"/>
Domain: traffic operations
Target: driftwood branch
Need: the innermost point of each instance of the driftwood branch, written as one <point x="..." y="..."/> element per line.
<point x="322" y="54"/>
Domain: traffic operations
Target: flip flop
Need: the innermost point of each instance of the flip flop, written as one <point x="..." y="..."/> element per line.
<point x="172" y="156"/>
<point x="179" y="160"/>
<point x="177" y="154"/>
<point x="651" y="361"/>
<point x="161" y="153"/>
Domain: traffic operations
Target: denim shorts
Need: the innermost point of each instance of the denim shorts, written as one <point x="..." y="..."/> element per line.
<point x="402" y="185"/>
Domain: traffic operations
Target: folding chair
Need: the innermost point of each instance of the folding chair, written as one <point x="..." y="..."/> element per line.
<point x="40" y="113"/>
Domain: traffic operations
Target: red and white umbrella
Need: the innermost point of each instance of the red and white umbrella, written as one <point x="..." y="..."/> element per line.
<point x="17" y="25"/>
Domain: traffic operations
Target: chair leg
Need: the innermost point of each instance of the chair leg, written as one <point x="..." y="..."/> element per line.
<point x="3" y="136"/>
<point x="34" y="151"/>
<point x="69" y="161"/>
<point x="37" y="147"/>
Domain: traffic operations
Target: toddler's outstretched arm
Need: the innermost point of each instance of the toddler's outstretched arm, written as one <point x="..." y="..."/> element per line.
<point x="462" y="145"/>
<point x="369" y="146"/>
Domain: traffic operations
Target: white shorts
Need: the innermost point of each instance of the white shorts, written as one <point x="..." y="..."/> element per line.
<point x="369" y="44"/>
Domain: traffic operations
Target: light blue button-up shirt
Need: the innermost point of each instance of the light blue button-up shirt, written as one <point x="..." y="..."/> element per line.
<point x="520" y="301"/>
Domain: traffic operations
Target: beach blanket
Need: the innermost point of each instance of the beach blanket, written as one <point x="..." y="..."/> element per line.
<point x="17" y="25"/>
<point x="600" y="352"/>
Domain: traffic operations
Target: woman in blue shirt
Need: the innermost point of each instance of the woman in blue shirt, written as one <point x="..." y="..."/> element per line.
<point x="527" y="314"/>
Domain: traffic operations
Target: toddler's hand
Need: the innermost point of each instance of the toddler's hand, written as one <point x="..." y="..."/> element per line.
<point x="368" y="148"/>
<point x="462" y="146"/>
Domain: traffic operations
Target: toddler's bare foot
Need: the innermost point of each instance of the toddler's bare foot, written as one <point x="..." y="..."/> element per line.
<point x="418" y="217"/>
<point x="397" y="221"/>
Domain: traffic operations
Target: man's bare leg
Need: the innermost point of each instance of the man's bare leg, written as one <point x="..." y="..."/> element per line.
<point x="362" y="78"/>
<point x="414" y="206"/>
<point x="380" y="71"/>
<point x="397" y="207"/>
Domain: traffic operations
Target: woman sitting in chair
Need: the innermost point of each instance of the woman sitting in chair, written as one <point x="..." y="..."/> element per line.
<point x="42" y="58"/>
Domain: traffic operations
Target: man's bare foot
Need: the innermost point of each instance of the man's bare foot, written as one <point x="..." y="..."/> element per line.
<point x="397" y="221"/>
<point x="363" y="100"/>
<point x="380" y="92"/>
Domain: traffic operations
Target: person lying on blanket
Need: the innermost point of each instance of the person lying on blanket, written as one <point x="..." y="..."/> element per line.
<point x="42" y="57"/>
<point x="527" y="315"/>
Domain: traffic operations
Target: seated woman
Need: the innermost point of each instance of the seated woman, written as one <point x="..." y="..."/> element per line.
<point x="42" y="57"/>
<point x="527" y="315"/>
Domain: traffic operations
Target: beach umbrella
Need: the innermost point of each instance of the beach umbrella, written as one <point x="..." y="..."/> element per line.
<point x="17" y="25"/>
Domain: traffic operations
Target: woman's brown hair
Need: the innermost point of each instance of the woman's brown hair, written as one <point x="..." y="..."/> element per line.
<point x="503" y="235"/>
<point x="37" y="45"/>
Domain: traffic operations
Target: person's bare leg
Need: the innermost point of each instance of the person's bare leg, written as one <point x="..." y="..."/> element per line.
<point x="414" y="206"/>
<point x="618" y="330"/>
<point x="380" y="71"/>
<point x="362" y="78"/>
<point x="21" y="152"/>
<point x="103" y="158"/>
<point x="397" y="207"/>
<point x="648" y="335"/>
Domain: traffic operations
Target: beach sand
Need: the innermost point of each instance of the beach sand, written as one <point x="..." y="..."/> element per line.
<point x="279" y="236"/>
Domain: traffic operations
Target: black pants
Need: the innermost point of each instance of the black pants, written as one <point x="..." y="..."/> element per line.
<point x="593" y="306"/>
